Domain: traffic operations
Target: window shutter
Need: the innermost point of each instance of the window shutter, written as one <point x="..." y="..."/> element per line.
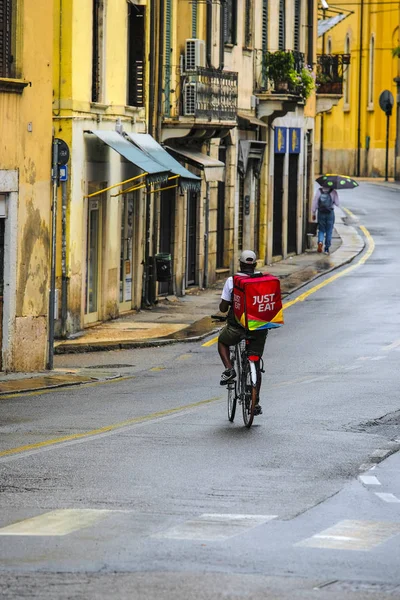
<point x="282" y="24"/>
<point x="264" y="34"/>
<point x="297" y="20"/>
<point x="264" y="39"/>
<point x="5" y="38"/>
<point x="96" y="49"/>
<point x="230" y="20"/>
<point x="247" y="24"/>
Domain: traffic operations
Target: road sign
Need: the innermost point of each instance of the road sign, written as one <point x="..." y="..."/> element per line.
<point x="63" y="152"/>
<point x="386" y="102"/>
<point x="63" y="172"/>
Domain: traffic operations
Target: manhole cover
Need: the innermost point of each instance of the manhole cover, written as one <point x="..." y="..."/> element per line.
<point x="116" y="366"/>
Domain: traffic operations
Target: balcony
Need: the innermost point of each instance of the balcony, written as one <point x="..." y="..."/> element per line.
<point x="331" y="69"/>
<point x="206" y="105"/>
<point x="209" y="94"/>
<point x="285" y="81"/>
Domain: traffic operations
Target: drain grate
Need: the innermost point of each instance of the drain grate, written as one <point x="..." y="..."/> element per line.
<point x="116" y="366"/>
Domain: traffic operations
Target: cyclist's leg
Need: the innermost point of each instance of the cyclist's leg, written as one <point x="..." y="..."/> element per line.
<point x="229" y="336"/>
<point x="256" y="347"/>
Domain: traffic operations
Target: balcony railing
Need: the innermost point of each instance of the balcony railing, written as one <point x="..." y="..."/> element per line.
<point x="209" y="94"/>
<point x="330" y="71"/>
<point x="280" y="72"/>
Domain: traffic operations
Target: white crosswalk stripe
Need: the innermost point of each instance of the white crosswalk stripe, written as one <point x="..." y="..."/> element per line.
<point x="352" y="535"/>
<point x="56" y="522"/>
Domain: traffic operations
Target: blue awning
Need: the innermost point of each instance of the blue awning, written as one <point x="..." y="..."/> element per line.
<point x="146" y="143"/>
<point x="156" y="171"/>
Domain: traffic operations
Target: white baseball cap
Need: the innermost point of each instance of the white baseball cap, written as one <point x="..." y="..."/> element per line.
<point x="248" y="257"/>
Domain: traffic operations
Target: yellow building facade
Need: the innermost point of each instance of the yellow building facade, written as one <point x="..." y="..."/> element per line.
<point x="351" y="137"/>
<point x="100" y="85"/>
<point x="26" y="58"/>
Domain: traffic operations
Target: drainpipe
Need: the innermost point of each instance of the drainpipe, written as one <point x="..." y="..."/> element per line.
<point x="397" y="82"/>
<point x="310" y="32"/>
<point x="64" y="279"/>
<point x="360" y="90"/>
<point x="206" y="234"/>
<point x="321" y="134"/>
<point x="221" y="36"/>
<point x="160" y="86"/>
<point x="209" y="9"/>
<point x="52" y="295"/>
<point x="152" y="61"/>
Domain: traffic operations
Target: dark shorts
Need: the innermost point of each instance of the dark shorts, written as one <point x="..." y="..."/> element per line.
<point x="232" y="334"/>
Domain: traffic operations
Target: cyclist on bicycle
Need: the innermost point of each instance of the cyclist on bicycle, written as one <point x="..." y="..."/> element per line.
<point x="233" y="333"/>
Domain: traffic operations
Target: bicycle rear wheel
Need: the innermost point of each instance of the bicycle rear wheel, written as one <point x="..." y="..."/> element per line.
<point x="249" y="393"/>
<point x="232" y="387"/>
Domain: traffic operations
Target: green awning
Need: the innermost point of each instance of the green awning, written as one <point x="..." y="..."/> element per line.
<point x="146" y="143"/>
<point x="156" y="171"/>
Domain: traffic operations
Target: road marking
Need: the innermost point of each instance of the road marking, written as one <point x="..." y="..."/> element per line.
<point x="107" y="428"/>
<point x="391" y="346"/>
<point x="387" y="497"/>
<point x="352" y="535"/>
<point x="158" y="369"/>
<point x="369" y="480"/>
<point x="56" y="522"/>
<point x="214" y="527"/>
<point x="184" y="356"/>
<point x="305" y="295"/>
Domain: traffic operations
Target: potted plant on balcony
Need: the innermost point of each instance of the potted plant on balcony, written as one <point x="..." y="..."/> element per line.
<point x="279" y="69"/>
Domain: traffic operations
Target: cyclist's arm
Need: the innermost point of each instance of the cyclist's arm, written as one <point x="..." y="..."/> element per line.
<point x="224" y="306"/>
<point x="226" y="296"/>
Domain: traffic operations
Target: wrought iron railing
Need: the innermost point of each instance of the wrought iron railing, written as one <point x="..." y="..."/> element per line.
<point x="279" y="71"/>
<point x="209" y="94"/>
<point x="330" y="71"/>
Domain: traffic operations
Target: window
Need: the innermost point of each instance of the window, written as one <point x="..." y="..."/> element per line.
<point x="371" y="69"/>
<point x="346" y="75"/>
<point x="297" y="25"/>
<point x="230" y="22"/>
<point x="97" y="49"/>
<point x="6" y="57"/>
<point x="248" y="23"/>
<point x="136" y="49"/>
<point x="282" y="25"/>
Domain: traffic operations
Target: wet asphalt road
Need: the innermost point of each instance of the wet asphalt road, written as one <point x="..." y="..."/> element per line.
<point x="166" y="499"/>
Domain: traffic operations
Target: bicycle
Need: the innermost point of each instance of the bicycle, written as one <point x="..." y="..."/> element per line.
<point x="245" y="388"/>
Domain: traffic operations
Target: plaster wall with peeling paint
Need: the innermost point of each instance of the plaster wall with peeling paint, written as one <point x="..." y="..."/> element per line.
<point x="25" y="168"/>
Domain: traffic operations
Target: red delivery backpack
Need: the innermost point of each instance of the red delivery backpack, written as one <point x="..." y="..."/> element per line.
<point x="257" y="302"/>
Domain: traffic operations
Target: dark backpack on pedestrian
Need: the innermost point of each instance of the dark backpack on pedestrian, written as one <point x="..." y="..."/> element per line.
<point x="325" y="202"/>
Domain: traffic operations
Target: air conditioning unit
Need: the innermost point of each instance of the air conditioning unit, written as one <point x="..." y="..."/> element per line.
<point x="195" y="54"/>
<point x="189" y="99"/>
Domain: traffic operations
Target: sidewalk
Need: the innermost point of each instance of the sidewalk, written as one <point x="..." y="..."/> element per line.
<point x="182" y="319"/>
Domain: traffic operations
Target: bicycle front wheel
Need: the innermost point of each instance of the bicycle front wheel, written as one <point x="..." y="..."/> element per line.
<point x="249" y="393"/>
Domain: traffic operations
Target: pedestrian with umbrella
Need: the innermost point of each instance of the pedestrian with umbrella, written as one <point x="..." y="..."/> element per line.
<point x="325" y="200"/>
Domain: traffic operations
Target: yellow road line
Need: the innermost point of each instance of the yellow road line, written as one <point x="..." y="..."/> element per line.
<point x="63" y="387"/>
<point x="305" y="295"/>
<point x="107" y="428"/>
